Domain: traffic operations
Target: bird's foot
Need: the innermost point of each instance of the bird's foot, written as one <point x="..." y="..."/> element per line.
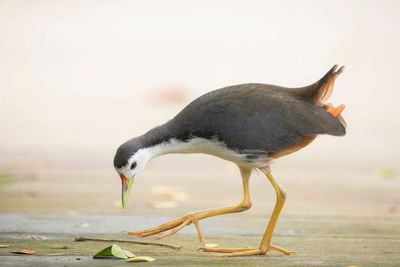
<point x="237" y="252"/>
<point x="173" y="226"/>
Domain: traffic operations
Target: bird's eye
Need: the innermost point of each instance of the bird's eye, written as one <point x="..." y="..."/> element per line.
<point x="134" y="164"/>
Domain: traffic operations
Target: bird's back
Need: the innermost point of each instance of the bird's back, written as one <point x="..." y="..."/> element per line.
<point x="257" y="118"/>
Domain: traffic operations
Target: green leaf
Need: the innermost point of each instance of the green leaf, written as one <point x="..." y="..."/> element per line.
<point x="4" y="179"/>
<point x="129" y="254"/>
<point x="106" y="252"/>
<point x="113" y="251"/>
<point x="141" y="259"/>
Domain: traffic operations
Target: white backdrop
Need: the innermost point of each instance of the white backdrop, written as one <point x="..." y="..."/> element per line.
<point x="75" y="76"/>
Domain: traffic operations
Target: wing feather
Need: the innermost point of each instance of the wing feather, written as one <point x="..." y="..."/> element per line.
<point x="254" y="117"/>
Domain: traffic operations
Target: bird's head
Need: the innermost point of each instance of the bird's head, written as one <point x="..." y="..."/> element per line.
<point x="129" y="160"/>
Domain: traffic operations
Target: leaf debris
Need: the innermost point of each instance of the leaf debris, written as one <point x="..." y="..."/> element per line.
<point x="141" y="259"/>
<point x="24" y="251"/>
<point x="113" y="251"/>
<point x="84" y="238"/>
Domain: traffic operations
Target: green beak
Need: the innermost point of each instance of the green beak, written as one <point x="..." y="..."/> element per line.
<point x="126" y="188"/>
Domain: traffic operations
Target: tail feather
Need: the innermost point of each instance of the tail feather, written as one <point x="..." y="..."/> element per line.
<point x="321" y="90"/>
<point x="325" y="90"/>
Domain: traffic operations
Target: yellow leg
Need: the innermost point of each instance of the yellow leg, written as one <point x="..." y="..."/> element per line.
<point x="265" y="244"/>
<point x="280" y="201"/>
<point x="177" y="224"/>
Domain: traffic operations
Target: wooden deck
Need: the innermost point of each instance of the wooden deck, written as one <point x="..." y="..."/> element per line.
<point x="334" y="216"/>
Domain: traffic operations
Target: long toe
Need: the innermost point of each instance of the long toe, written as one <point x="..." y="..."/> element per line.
<point x="251" y="252"/>
<point x="157" y="229"/>
<point x="226" y="250"/>
<point x="237" y="252"/>
<point x="174" y="230"/>
<point x="284" y="251"/>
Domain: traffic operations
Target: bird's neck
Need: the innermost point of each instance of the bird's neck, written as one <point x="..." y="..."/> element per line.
<point x="161" y="140"/>
<point x="166" y="147"/>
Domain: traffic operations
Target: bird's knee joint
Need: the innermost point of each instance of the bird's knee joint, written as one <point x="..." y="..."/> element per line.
<point x="282" y="193"/>
<point x="246" y="205"/>
<point x="192" y="217"/>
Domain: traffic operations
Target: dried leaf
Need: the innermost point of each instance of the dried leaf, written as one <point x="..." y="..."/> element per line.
<point x="83" y="225"/>
<point x="179" y="196"/>
<point x="117" y="203"/>
<point x="36" y="237"/>
<point x="393" y="209"/>
<point x="24" y="251"/>
<point x="141" y="259"/>
<point x="4" y="178"/>
<point x="167" y="95"/>
<point x="211" y="245"/>
<point x="163" y="204"/>
<point x="170" y="192"/>
<point x="61" y="247"/>
<point x="32" y="194"/>
<point x="113" y="251"/>
<point x="386" y="173"/>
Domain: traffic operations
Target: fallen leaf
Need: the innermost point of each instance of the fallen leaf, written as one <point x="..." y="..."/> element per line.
<point x="72" y="213"/>
<point x="61" y="247"/>
<point x="129" y="254"/>
<point x="211" y="245"/>
<point x="36" y="237"/>
<point x="392" y="209"/>
<point x="386" y="173"/>
<point x="168" y="95"/>
<point x="171" y="192"/>
<point x="4" y="246"/>
<point x="24" y="251"/>
<point x="32" y="194"/>
<point x="163" y="204"/>
<point x="113" y="251"/>
<point x="83" y="225"/>
<point x="179" y="196"/>
<point x="117" y="203"/>
<point x="4" y="178"/>
<point x="141" y="259"/>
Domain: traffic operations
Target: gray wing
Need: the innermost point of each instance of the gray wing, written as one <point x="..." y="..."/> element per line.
<point x="254" y="117"/>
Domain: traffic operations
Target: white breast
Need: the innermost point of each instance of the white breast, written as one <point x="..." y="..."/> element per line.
<point x="206" y="146"/>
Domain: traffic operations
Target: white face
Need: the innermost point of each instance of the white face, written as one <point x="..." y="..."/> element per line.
<point x="136" y="164"/>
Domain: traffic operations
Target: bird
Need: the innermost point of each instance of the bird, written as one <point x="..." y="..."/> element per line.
<point x="249" y="125"/>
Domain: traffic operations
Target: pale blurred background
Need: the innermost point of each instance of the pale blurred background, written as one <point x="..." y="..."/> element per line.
<point x="78" y="78"/>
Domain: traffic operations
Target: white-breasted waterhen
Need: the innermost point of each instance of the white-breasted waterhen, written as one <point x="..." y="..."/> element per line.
<point x="249" y="125"/>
